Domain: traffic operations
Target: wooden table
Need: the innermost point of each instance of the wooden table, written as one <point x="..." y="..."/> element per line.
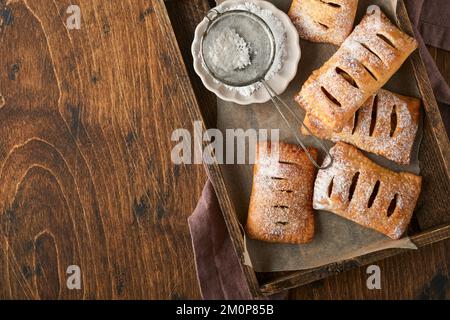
<point x="86" y="177"/>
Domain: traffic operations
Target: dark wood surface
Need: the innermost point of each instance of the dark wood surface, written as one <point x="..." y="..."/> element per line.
<point x="85" y="170"/>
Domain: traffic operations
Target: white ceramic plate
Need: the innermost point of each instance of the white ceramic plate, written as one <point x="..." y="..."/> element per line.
<point x="278" y="82"/>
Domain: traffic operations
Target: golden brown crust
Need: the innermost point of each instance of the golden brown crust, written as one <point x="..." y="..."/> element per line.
<point x="386" y="125"/>
<point x="323" y="20"/>
<point x="372" y="53"/>
<point x="281" y="201"/>
<point x="356" y="188"/>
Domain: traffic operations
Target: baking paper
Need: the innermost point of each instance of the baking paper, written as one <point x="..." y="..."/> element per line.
<point x="335" y="238"/>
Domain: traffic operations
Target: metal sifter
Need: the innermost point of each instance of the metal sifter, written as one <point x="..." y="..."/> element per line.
<point x="255" y="31"/>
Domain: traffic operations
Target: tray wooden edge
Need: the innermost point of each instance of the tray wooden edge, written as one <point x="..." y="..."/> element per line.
<point x="229" y="212"/>
<point x="213" y="170"/>
<point x="303" y="277"/>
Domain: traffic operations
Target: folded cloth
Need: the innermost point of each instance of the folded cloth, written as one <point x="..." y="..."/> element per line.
<point x="219" y="273"/>
<point x="431" y="26"/>
<point x="218" y="269"/>
<point x="431" y="21"/>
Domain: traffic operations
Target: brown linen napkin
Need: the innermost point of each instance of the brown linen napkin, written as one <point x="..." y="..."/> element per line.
<point x="431" y="23"/>
<point x="219" y="273"/>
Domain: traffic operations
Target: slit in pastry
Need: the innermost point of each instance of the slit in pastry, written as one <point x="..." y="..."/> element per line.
<point x="379" y="198"/>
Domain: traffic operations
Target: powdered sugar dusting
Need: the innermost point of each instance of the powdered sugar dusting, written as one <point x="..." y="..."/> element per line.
<point x="349" y="162"/>
<point x="319" y="21"/>
<point x="229" y="51"/>
<point x="370" y="55"/>
<point x="281" y="200"/>
<point x="279" y="33"/>
<point x="396" y="147"/>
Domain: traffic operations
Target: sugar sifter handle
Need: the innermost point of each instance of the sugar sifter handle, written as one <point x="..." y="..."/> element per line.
<point x="279" y="103"/>
<point x="212" y="14"/>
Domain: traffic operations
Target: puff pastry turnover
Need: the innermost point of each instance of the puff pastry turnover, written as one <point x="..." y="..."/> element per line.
<point x="366" y="60"/>
<point x="323" y="20"/>
<point x="281" y="200"/>
<point x="356" y="188"/>
<point x="386" y="125"/>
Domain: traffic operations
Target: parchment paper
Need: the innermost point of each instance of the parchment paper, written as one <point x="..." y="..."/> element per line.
<point x="335" y="238"/>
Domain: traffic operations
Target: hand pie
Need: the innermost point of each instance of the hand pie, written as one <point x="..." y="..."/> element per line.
<point x="281" y="200"/>
<point x="323" y="20"/>
<point x="372" y="53"/>
<point x="356" y="188"/>
<point x="386" y="125"/>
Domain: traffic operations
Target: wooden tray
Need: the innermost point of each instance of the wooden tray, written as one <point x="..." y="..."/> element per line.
<point x="430" y="223"/>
